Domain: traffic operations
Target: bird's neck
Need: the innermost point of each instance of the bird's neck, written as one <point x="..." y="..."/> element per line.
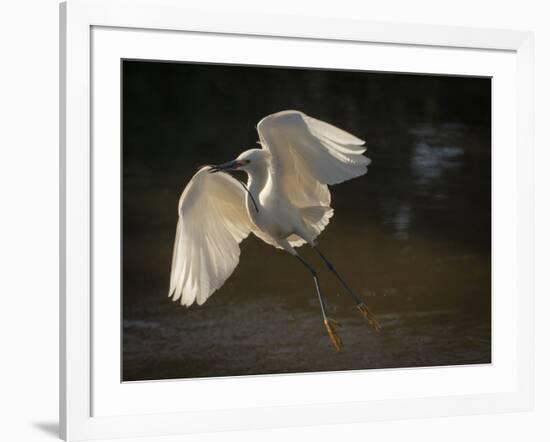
<point x="257" y="180"/>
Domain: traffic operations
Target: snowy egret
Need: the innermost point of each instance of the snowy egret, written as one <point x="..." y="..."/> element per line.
<point x="286" y="203"/>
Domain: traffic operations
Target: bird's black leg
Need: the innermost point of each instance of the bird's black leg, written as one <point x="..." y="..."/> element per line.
<point x="361" y="306"/>
<point x="330" y="324"/>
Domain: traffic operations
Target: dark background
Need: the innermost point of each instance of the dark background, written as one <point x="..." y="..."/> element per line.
<point x="413" y="236"/>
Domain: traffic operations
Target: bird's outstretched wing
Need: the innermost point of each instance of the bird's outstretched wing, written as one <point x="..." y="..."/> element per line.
<point x="212" y="222"/>
<point x="309" y="154"/>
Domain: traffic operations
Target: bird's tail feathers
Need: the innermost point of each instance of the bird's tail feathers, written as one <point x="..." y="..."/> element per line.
<point x="316" y="218"/>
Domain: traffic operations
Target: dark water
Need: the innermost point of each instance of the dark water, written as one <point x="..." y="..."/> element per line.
<point x="412" y="236"/>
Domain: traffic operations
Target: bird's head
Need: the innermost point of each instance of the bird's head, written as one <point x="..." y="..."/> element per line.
<point x="247" y="161"/>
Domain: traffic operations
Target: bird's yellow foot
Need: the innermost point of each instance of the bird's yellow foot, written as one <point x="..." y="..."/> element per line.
<point x="331" y="326"/>
<point x="367" y="314"/>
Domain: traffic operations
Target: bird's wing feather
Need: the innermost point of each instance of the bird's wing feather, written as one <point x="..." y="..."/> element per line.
<point x="309" y="154"/>
<point x="213" y="220"/>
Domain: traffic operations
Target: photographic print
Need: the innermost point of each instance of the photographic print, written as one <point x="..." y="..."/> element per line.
<point x="290" y="220"/>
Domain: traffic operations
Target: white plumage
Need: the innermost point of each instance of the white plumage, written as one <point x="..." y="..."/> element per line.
<point x="288" y="204"/>
<point x="212" y="222"/>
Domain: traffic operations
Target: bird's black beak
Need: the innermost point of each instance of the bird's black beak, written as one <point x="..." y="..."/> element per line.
<point x="230" y="165"/>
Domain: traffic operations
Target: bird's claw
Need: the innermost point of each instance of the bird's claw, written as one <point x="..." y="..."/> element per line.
<point x="367" y="314"/>
<point x="331" y="326"/>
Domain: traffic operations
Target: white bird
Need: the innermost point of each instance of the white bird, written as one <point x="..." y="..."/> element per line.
<point x="286" y="203"/>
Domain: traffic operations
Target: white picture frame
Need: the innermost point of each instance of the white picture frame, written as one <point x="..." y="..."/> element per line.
<point x="83" y="386"/>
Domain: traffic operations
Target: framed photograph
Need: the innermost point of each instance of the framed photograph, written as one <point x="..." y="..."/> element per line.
<point x="281" y="221"/>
